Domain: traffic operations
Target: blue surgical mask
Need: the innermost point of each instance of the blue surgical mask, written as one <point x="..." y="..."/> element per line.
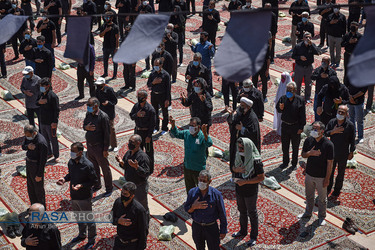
<point x="210" y="9"/>
<point x="289" y="94"/>
<point x="27" y="76"/>
<point x="195" y="63"/>
<point x="73" y="155"/>
<point x="324" y="65"/>
<point x="42" y="89"/>
<point x="40" y="46"/>
<point x="304" y="19"/>
<point x="90" y="109"/>
<point x="27" y="36"/>
<point x="197" y="89"/>
<point x="30" y="138"/>
<point x="14" y="6"/>
<point x="314" y="133"/>
<point x="156" y="68"/>
<point x="105" y="6"/>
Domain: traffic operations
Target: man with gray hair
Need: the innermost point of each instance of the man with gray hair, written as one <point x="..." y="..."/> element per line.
<point x="136" y="164"/>
<point x="197" y="69"/>
<point x="30" y="88"/>
<point x="293" y="119"/>
<point x="304" y="53"/>
<point x="36" y="157"/>
<point x="206" y="206"/>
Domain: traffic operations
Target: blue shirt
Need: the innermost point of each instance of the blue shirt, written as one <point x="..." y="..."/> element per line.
<point x="195" y="148"/>
<point x="206" y="53"/>
<point x="214" y="211"/>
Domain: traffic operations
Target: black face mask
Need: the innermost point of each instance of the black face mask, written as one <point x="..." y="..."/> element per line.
<point x="141" y="99"/>
<point x="124" y="198"/>
<point x="201" y="40"/>
<point x="131" y="146"/>
<point x="353" y="28"/>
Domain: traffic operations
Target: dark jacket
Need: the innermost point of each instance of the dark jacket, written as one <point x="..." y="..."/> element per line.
<point x="39" y="154"/>
<point x="43" y="69"/>
<point x="199" y="108"/>
<point x="28" y="54"/>
<point x="338" y="29"/>
<point x="49" y="112"/>
<point x="107" y="94"/>
<point x="329" y="92"/>
<point x="210" y="25"/>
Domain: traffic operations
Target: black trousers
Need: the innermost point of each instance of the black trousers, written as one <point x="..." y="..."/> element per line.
<point x="341" y="165"/>
<point x="247" y="206"/>
<point x="157" y="101"/>
<point x="181" y="42"/>
<point x="2" y="63"/>
<point x="353" y="17"/>
<point x="35" y="189"/>
<point x="16" y="37"/>
<point x="174" y="67"/>
<point x="129" y="75"/>
<point x="226" y="85"/>
<point x="289" y="135"/>
<point x="120" y="246"/>
<point x="323" y="32"/>
<point x="209" y="234"/>
<point x="263" y="78"/>
<point x="370" y="97"/>
<point x="192" y="5"/>
<point x="273" y="48"/>
<point x="148" y="148"/>
<point x="82" y="74"/>
<point x="325" y="118"/>
<point x="31" y="117"/>
<point x="121" y="25"/>
<point x="212" y="36"/>
<point x="346" y="61"/>
<point x="58" y="29"/>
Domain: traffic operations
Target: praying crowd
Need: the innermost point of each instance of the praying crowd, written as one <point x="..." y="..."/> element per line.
<point x="339" y="112"/>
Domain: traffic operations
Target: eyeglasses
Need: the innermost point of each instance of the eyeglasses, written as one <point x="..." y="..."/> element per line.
<point x="341" y="112"/>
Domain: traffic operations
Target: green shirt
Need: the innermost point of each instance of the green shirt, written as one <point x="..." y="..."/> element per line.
<point x="195" y="148"/>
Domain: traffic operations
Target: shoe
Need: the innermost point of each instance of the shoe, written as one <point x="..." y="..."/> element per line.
<point x="96" y="189"/>
<point x="54" y="69"/>
<point x="77" y="239"/>
<point x="114" y="77"/>
<point x="265" y="100"/>
<point x="360" y="140"/>
<point x="333" y="197"/>
<point x="293" y="167"/>
<point x="320" y="45"/>
<point x="56" y="160"/>
<point x="308" y="101"/>
<point x="304" y="216"/>
<point x="322" y="222"/>
<point x="332" y="65"/>
<point x="174" y="81"/>
<point x="351" y="223"/>
<point x="107" y="193"/>
<point x="79" y="98"/>
<point x="16" y="57"/>
<point x="272" y="62"/>
<point x="337" y="65"/>
<point x="50" y="156"/>
<point x="115" y="149"/>
<point x="104" y="75"/>
<point x="169" y="108"/>
<point x="16" y="230"/>
<point x="283" y="166"/>
<point x="181" y="65"/>
<point x="238" y="234"/>
<point x="3" y="76"/>
<point x="10" y="233"/>
<point x="155" y="131"/>
<point x="163" y="132"/>
<point x="125" y="87"/>
<point x="347" y="227"/>
<point x="251" y="243"/>
<point x="90" y="244"/>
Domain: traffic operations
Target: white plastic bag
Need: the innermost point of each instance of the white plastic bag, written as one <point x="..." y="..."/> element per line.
<point x="165" y="233"/>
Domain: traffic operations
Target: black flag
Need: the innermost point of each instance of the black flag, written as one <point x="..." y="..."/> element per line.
<point x="9" y="25"/>
<point x="242" y="51"/>
<point x="77" y="43"/>
<point x="146" y="34"/>
<point x="361" y="67"/>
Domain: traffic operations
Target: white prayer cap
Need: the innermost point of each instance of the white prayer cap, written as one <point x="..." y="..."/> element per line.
<point x="247" y="101"/>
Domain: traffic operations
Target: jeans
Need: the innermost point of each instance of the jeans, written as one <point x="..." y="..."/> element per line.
<point x="312" y="184"/>
<point x="247" y="206"/>
<point x="335" y="48"/>
<point x="356" y="115"/>
<point x="30" y="63"/>
<point x="106" y="53"/>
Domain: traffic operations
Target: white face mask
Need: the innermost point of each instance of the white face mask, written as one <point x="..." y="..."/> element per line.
<point x="314" y="133"/>
<point x="340" y="117"/>
<point x="158" y="50"/>
<point x="145" y="3"/>
<point x="248" y="4"/>
<point x="73" y="155"/>
<point x="202" y="185"/>
<point x="241" y="154"/>
<point x="246" y="89"/>
<point x="192" y="130"/>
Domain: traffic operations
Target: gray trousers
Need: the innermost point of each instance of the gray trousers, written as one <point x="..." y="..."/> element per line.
<point x="95" y="155"/>
<point x="312" y="184"/>
<point x="84" y="205"/>
<point x="334" y="44"/>
<point x="46" y="131"/>
<point x="300" y="73"/>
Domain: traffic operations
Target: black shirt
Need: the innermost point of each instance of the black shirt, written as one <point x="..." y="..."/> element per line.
<point x="251" y="189"/>
<point x="326" y="14"/>
<point x="338" y="29"/>
<point x="355" y="9"/>
<point x="304" y="50"/>
<point x="257" y="97"/>
<point x="89" y="7"/>
<point x="147" y="121"/>
<point x="107" y="94"/>
<point x="101" y="134"/>
<point x="43" y="69"/>
<point x="349" y="47"/>
<point x="344" y="142"/>
<point x="319" y="81"/>
<point x="139" y="227"/>
<point x="298" y="8"/>
<point x="353" y="90"/>
<point x="38" y="154"/>
<point x="171" y="43"/>
<point x="109" y="40"/>
<point x="167" y="59"/>
<point x="294" y="111"/>
<point x="162" y="88"/>
<point x="198" y="108"/>
<point x="140" y="175"/>
<point x="126" y="8"/>
<point x="48" y="236"/>
<point x="329" y="94"/>
<point x="47" y="32"/>
<point x="53" y="10"/>
<point x="5" y="5"/>
<point x="317" y="165"/>
<point x="49" y="112"/>
<point x="305" y="27"/>
<point x="165" y="5"/>
<point x="195" y="72"/>
<point x="210" y="25"/>
<point x="82" y="173"/>
<point x="28" y="54"/>
<point x="273" y="28"/>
